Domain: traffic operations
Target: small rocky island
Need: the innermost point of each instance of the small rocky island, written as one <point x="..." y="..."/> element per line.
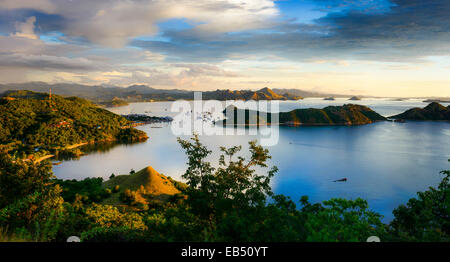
<point x="349" y="114"/>
<point x="329" y="98"/>
<point x="433" y="111"/>
<point x="354" y="98"/>
<point x="145" y="119"/>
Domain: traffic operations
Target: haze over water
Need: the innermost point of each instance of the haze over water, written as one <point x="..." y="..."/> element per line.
<point x="385" y="163"/>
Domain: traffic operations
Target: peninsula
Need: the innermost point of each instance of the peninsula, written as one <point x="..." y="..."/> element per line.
<point x="38" y="124"/>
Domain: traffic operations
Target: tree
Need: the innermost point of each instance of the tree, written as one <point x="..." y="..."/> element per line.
<point x="29" y="201"/>
<point x="341" y="220"/>
<point x="425" y="218"/>
<point x="234" y="185"/>
<point x="19" y="179"/>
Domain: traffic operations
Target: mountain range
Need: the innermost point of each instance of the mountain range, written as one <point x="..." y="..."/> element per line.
<point x="140" y="93"/>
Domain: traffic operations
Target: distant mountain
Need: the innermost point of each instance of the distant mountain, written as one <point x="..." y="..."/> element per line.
<point x="433" y="111"/>
<point x="140" y="93"/>
<point x="101" y="94"/>
<point x="262" y="94"/>
<point x="332" y="115"/>
<point x="354" y="98"/>
<point x="303" y="93"/>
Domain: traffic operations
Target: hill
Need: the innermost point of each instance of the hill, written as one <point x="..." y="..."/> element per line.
<point x="332" y="115"/>
<point x="433" y="111"/>
<point x="262" y="94"/>
<point x="37" y="121"/>
<point x="304" y="93"/>
<point x="146" y="184"/>
<point x="102" y="94"/>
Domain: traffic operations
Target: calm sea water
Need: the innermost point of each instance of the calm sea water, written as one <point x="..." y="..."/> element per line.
<point x="385" y="163"/>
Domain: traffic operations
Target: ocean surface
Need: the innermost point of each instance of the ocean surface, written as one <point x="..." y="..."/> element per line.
<point x="385" y="163"/>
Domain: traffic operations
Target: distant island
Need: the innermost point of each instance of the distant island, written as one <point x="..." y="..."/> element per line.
<point x="329" y="98"/>
<point x="34" y="125"/>
<point x="437" y="100"/>
<point x="145" y="119"/>
<point x="262" y="94"/>
<point x="348" y="114"/>
<point x="115" y="102"/>
<point x="433" y="111"/>
<point x="354" y="98"/>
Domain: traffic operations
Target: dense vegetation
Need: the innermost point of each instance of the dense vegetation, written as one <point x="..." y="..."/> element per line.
<point x="433" y="111"/>
<point x="35" y="122"/>
<point x="115" y="102"/>
<point x="225" y="202"/>
<point x="331" y="115"/>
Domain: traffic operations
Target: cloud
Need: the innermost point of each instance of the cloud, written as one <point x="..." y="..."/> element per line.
<point x="196" y="70"/>
<point x="410" y="31"/>
<point x="41" y="5"/>
<point x="114" y="23"/>
<point x="26" y="29"/>
<point x="45" y="62"/>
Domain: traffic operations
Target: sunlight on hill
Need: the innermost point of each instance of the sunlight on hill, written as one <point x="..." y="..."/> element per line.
<point x="150" y="184"/>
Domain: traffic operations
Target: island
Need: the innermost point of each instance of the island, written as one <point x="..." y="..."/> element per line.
<point x="354" y="98"/>
<point x="262" y="94"/>
<point x="145" y="119"/>
<point x="115" y="102"/>
<point x="38" y="125"/>
<point x="437" y="100"/>
<point x="348" y="114"/>
<point x="329" y="98"/>
<point x="434" y="111"/>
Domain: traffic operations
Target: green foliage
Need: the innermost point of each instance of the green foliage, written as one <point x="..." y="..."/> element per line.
<point x="41" y="122"/>
<point x="90" y="189"/>
<point x="233" y="186"/>
<point x="135" y="198"/>
<point x="425" y="218"/>
<point x="29" y="201"/>
<point x="341" y="220"/>
<point x="19" y="179"/>
<point x="109" y="216"/>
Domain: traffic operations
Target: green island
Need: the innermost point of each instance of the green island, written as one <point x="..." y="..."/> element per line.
<point x="434" y="112"/>
<point x="35" y="126"/>
<point x="227" y="200"/>
<point x="115" y="102"/>
<point x="331" y="115"/>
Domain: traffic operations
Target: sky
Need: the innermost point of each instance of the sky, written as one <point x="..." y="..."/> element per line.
<point x="363" y="47"/>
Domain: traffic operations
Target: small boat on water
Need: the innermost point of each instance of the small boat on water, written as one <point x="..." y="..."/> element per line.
<point x="341" y="180"/>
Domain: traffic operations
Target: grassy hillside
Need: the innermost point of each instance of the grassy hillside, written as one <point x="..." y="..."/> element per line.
<point x="142" y="187"/>
<point x="434" y="111"/>
<point x="36" y="121"/>
<point x="332" y="115"/>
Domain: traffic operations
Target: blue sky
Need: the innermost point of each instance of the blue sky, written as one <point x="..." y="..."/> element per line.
<point x="369" y="47"/>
